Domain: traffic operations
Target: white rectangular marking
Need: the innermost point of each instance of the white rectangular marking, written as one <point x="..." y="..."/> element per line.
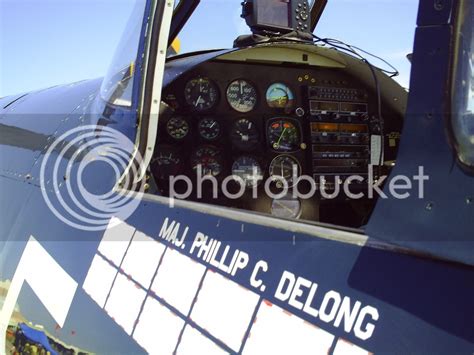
<point x="142" y="258"/>
<point x="115" y="241"/>
<point x="178" y="279"/>
<point x="276" y="331"/>
<point x="158" y="328"/>
<point x="193" y="342"/>
<point x="53" y="286"/>
<point x="124" y="302"/>
<point x="224" y="308"/>
<point x="99" y="280"/>
<point x="344" y="347"/>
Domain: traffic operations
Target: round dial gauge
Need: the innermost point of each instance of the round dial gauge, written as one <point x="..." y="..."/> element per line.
<point x="209" y="128"/>
<point x="283" y="135"/>
<point x="166" y="162"/>
<point x="284" y="167"/>
<point x="208" y="158"/>
<point x="280" y="96"/>
<point x="241" y="96"/>
<point x="248" y="169"/>
<point x="244" y="134"/>
<point x="200" y="93"/>
<point x="286" y="207"/>
<point x="177" y="128"/>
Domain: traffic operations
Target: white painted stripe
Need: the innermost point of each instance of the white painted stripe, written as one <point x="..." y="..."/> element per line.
<point x="224" y="308"/>
<point x="52" y="285"/>
<point x="142" y="258"/>
<point x="99" y="280"/>
<point x="276" y="331"/>
<point x="193" y="342"/>
<point x="178" y="279"/>
<point x="158" y="328"/>
<point x="124" y="302"/>
<point x="116" y="239"/>
<point x="344" y="347"/>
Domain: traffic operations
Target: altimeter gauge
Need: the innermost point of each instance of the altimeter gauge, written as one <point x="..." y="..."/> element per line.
<point x="241" y="96"/>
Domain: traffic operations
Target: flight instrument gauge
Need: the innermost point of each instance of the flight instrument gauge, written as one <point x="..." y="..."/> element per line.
<point x="166" y="162"/>
<point x="241" y="96"/>
<point x="208" y="159"/>
<point x="283" y="135"/>
<point x="248" y="169"/>
<point x="244" y="134"/>
<point x="286" y="207"/>
<point x="284" y="167"/>
<point x="280" y="96"/>
<point x="177" y="128"/>
<point x="201" y="94"/>
<point x="209" y="128"/>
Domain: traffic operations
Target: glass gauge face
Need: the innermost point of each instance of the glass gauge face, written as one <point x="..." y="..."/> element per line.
<point x="280" y="96"/>
<point x="286" y="207"/>
<point x="166" y="162"/>
<point x="201" y="94"/>
<point x="284" y="167"/>
<point x="244" y="134"/>
<point x="209" y="128"/>
<point x="177" y="128"/>
<point x="283" y="135"/>
<point x="241" y="96"/>
<point x="208" y="158"/>
<point x="249" y="170"/>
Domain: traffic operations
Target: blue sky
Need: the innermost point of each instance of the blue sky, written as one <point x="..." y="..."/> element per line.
<point x="50" y="42"/>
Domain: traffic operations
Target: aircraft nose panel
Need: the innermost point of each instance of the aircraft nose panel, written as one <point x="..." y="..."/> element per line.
<point x="28" y="125"/>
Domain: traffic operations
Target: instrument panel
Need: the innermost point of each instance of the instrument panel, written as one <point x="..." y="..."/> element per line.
<point x="256" y="121"/>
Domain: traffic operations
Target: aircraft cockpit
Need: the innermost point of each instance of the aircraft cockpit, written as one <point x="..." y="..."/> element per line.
<point x="246" y="127"/>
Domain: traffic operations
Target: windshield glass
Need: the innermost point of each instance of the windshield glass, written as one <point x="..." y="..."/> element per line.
<point x="463" y="85"/>
<point x="117" y="86"/>
<point x="384" y="28"/>
<point x="199" y="33"/>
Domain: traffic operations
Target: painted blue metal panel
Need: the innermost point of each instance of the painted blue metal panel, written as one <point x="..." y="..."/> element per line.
<point x="414" y="297"/>
<point x="442" y="222"/>
<point x="31" y="124"/>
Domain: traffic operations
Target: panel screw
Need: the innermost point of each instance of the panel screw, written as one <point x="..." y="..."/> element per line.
<point x="469" y="200"/>
<point x="439" y="5"/>
<point x="429" y="206"/>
